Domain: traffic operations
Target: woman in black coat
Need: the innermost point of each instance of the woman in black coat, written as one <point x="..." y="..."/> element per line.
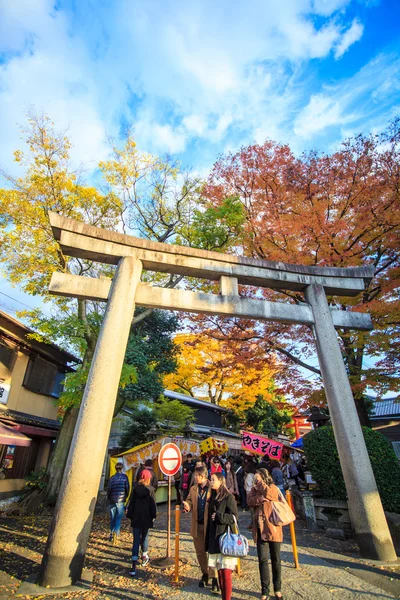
<point x="222" y="511"/>
<point x="141" y="511"/>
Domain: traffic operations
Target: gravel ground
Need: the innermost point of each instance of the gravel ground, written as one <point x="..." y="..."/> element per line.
<point x="328" y="569"/>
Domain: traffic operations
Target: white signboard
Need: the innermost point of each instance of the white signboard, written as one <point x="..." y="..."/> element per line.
<point x="4" y="392"/>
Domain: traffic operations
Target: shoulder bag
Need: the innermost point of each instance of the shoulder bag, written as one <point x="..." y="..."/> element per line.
<point x="234" y="544"/>
<point x="281" y="513"/>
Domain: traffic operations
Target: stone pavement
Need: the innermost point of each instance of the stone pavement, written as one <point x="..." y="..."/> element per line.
<point x="328" y="569"/>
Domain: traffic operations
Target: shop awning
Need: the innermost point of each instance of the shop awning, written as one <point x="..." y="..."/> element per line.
<point x="213" y="445"/>
<point x="11" y="437"/>
<point x="298" y="444"/>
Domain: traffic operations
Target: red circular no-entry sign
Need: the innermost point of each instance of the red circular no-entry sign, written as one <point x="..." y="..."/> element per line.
<point x="170" y="459"/>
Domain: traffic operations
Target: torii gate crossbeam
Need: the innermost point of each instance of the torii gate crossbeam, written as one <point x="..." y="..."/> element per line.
<point x="66" y="545"/>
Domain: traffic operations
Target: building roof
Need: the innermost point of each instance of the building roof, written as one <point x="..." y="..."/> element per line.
<point x="26" y="419"/>
<point x="43" y="348"/>
<point x="207" y="431"/>
<point x="194" y="401"/>
<point x="388" y="407"/>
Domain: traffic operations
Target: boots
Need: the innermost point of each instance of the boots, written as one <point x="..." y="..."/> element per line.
<point x="203" y="581"/>
<point x="215" y="586"/>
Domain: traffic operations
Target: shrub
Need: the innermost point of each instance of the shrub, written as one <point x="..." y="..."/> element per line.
<point x="36" y="480"/>
<point x="323" y="462"/>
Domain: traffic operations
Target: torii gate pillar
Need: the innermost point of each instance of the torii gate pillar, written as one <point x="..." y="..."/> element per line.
<point x="66" y="545"/>
<point x="367" y="516"/>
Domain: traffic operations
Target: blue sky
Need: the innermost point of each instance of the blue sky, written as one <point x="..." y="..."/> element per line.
<point x="198" y="78"/>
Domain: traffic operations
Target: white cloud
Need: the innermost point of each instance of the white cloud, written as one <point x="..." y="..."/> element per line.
<point x="321" y="112"/>
<point x="175" y="73"/>
<point x="327" y="7"/>
<point x="352" y="35"/>
<point x="355" y="104"/>
<point x="53" y="73"/>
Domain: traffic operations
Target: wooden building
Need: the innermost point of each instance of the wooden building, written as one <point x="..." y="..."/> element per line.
<point x="31" y="376"/>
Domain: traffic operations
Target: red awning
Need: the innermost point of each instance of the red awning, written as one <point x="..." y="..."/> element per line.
<point x="11" y="437"/>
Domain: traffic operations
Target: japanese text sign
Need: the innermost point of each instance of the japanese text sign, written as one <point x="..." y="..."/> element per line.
<point x="254" y="442"/>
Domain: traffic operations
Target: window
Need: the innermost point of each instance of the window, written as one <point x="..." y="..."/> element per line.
<point x="41" y="376"/>
<point x="58" y="385"/>
<point x="7" y="360"/>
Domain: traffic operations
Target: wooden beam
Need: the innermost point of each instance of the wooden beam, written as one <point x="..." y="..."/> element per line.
<point x="172" y="299"/>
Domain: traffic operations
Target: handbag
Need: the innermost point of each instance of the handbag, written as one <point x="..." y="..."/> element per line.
<point x="281" y="513"/>
<point x="234" y="544"/>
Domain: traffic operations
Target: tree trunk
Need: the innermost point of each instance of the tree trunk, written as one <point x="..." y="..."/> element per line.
<point x="362" y="410"/>
<point x="59" y="458"/>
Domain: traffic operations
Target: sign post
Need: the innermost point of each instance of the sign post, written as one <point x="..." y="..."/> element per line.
<point x="169" y="461"/>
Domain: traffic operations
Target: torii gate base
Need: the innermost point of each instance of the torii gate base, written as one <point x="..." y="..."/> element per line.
<point x="66" y="545"/>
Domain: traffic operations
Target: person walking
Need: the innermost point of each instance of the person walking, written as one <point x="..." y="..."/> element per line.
<point x="240" y="474"/>
<point x="277" y="476"/>
<point x="117" y="493"/>
<point x="216" y="466"/>
<point x="141" y="511"/>
<point x="177" y="483"/>
<point x="185" y="481"/>
<point x="250" y="470"/>
<point x="231" y="479"/>
<point x="196" y="502"/>
<point x="189" y="463"/>
<point x="222" y="511"/>
<point x="148" y="465"/>
<point x="267" y="536"/>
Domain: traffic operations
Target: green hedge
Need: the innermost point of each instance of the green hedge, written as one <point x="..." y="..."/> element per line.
<point x="323" y="462"/>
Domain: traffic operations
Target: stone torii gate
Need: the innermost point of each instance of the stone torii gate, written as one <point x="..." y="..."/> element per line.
<point x="69" y="532"/>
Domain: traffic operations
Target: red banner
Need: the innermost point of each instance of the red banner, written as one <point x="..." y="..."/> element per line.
<point x="254" y="442"/>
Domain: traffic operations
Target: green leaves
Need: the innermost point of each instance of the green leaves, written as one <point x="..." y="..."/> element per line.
<point x="172" y="415"/>
<point x="323" y="462"/>
<point x="266" y="417"/>
<point x="217" y="227"/>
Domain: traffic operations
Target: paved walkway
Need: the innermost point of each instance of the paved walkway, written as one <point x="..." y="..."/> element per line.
<point x="328" y="569"/>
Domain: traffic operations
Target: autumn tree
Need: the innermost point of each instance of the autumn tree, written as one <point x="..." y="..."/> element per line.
<point x="212" y="369"/>
<point x="340" y="210"/>
<point x="143" y="194"/>
<point x="30" y="253"/>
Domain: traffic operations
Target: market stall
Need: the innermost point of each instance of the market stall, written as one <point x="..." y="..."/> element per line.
<point x="136" y="456"/>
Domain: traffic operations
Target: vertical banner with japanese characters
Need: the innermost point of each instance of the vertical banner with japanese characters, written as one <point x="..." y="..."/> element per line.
<point x="254" y="442"/>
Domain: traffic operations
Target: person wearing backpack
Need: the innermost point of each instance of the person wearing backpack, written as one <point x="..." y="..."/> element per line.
<point x="267" y="536"/>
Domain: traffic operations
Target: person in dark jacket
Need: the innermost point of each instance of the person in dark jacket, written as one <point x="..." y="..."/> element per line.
<point x="222" y="511"/>
<point x="185" y="481"/>
<point x="117" y="493"/>
<point x="189" y="463"/>
<point x="240" y="474"/>
<point x="141" y="511"/>
<point x="148" y="465"/>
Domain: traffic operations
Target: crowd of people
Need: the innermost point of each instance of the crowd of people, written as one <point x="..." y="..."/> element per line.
<point x="212" y="489"/>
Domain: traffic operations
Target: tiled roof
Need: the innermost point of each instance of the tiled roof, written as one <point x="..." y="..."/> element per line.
<point x="68" y="356"/>
<point x="193" y="401"/>
<point x="386" y="408"/>
<point x="27" y="419"/>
